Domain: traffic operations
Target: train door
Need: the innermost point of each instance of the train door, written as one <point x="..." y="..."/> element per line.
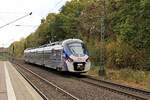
<point x="56" y="58"/>
<point x="53" y="58"/>
<point x="47" y="58"/>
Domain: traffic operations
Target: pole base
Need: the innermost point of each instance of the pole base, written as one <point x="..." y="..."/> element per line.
<point x="102" y="72"/>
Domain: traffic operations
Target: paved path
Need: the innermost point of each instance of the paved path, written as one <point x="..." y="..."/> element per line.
<point x="13" y="86"/>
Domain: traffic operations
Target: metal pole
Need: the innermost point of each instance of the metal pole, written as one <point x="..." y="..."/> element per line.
<point x="102" y="55"/>
<point x="13" y="51"/>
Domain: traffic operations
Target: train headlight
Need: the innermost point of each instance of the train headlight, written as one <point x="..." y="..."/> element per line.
<point x="64" y="59"/>
<point x="70" y="60"/>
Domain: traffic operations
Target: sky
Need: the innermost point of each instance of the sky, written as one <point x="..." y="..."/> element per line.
<point x="11" y="10"/>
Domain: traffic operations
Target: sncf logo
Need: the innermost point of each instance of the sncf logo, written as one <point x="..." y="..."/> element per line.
<point x="79" y="59"/>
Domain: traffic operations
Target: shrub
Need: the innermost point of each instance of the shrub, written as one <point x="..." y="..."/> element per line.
<point x="127" y="74"/>
<point x="1" y="58"/>
<point x="132" y="75"/>
<point x="122" y="55"/>
<point x="139" y="76"/>
<point x="94" y="51"/>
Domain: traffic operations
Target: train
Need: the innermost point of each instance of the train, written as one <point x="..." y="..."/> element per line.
<point x="69" y="55"/>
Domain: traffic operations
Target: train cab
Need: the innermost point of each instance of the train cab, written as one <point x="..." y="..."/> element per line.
<point x="76" y="56"/>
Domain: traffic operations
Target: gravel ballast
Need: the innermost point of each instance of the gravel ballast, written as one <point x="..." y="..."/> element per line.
<point x="80" y="89"/>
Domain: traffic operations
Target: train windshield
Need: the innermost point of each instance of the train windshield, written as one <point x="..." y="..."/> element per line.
<point x="77" y="49"/>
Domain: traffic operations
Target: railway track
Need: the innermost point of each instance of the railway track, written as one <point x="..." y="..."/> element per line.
<point x="40" y="93"/>
<point x="127" y="91"/>
<point x="134" y="93"/>
<point x="59" y="89"/>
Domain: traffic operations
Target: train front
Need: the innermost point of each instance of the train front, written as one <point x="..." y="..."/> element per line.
<point x="76" y="56"/>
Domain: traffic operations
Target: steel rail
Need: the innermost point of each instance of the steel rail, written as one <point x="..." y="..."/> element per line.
<point x="117" y="88"/>
<point x="40" y="93"/>
<point x="135" y="93"/>
<point x="50" y="83"/>
<point x="142" y="91"/>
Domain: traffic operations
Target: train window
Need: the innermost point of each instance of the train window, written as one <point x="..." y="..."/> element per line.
<point x="53" y="52"/>
<point x="77" y="48"/>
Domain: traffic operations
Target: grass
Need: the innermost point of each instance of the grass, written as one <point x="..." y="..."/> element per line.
<point x="139" y="79"/>
<point x="1" y="58"/>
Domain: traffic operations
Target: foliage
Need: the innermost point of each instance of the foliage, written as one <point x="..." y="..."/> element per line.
<point x="65" y="24"/>
<point x="17" y="48"/>
<point x="94" y="51"/>
<point x="127" y="31"/>
<point x="130" y="19"/>
<point x="1" y="58"/>
<point x="128" y="74"/>
<point x="122" y="55"/>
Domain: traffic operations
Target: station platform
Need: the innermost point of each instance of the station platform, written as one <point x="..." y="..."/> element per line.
<point x="13" y="86"/>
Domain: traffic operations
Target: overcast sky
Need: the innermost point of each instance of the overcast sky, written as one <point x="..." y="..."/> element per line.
<point x="10" y="10"/>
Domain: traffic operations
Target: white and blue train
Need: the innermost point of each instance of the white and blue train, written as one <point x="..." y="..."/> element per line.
<point x="69" y="55"/>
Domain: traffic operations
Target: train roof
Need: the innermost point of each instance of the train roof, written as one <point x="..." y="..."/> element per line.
<point x="57" y="45"/>
<point x="71" y="40"/>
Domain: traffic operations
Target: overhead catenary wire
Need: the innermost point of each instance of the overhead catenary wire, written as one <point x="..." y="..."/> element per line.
<point x="57" y="5"/>
<point x="27" y="25"/>
<point x="16" y="20"/>
<point x="13" y="13"/>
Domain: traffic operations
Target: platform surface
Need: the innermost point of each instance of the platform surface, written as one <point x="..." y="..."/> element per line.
<point x="13" y="86"/>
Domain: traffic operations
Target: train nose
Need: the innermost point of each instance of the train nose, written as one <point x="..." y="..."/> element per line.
<point x="79" y="59"/>
<point x="79" y="66"/>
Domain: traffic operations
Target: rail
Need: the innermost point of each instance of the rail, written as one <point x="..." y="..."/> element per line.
<point x="52" y="84"/>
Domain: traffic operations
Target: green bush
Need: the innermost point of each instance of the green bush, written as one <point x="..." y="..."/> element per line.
<point x="127" y="74"/>
<point x="94" y="51"/>
<point x="139" y="76"/>
<point x="121" y="55"/>
<point x="1" y="58"/>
